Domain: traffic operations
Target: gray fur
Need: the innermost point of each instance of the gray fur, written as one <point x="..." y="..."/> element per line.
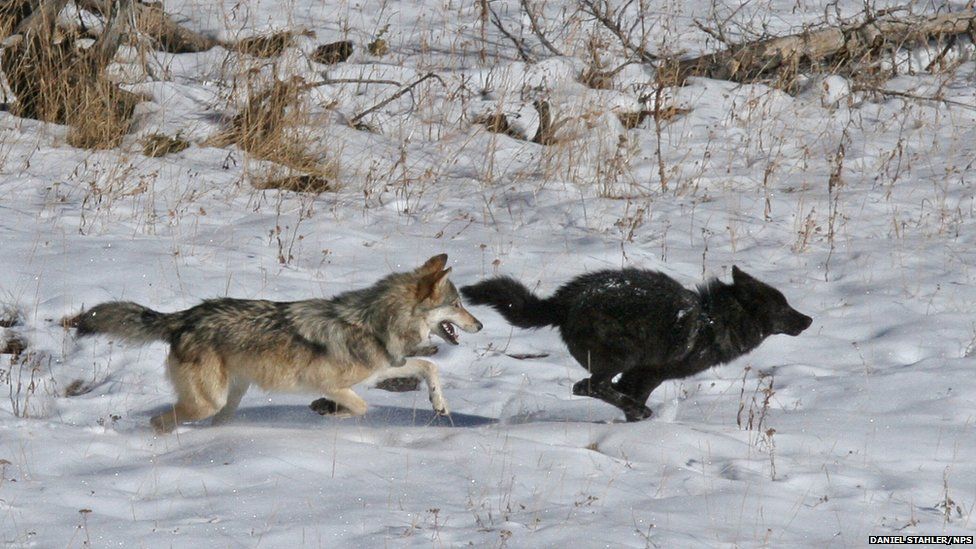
<point x="221" y="346"/>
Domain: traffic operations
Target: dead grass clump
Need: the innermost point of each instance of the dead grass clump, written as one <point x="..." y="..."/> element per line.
<point x="269" y="46"/>
<point x="11" y="342"/>
<point x="159" y="28"/>
<point x="595" y="78"/>
<point x="9" y="316"/>
<point x="270" y="128"/>
<point x="303" y="183"/>
<point x="330" y="54"/>
<point x="158" y="144"/>
<point x="498" y="123"/>
<point x="261" y="128"/>
<point x="12" y="13"/>
<point x="49" y="80"/>
<point x="56" y="80"/>
<point x="378" y="46"/>
<point x="77" y="388"/>
<point x="13" y="345"/>
<point x="631" y="120"/>
<point x="545" y="133"/>
<point x="101" y="117"/>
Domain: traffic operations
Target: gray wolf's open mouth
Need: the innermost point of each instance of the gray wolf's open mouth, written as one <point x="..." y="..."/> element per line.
<point x="449" y="332"/>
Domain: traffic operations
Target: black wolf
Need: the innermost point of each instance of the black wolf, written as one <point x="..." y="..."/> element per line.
<point x="646" y="327"/>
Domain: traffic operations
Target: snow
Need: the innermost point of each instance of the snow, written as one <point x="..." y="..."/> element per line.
<point x="870" y="415"/>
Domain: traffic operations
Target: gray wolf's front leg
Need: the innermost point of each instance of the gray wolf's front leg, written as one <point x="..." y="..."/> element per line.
<point x="425" y="350"/>
<point x="403" y="384"/>
<point x="417" y="368"/>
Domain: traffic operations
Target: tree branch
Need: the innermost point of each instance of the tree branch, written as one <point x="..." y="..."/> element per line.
<point x="606" y="19"/>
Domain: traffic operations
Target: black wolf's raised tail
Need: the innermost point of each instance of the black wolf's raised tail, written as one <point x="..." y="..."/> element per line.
<point x="515" y="302"/>
<point x="124" y="319"/>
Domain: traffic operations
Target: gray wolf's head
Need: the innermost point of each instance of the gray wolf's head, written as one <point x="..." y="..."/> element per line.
<point x="438" y="301"/>
<point x="768" y="305"/>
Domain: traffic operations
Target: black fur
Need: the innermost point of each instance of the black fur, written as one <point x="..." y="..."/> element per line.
<point x="519" y="305"/>
<point x="646" y="326"/>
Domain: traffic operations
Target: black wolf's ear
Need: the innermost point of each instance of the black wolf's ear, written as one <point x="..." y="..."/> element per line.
<point x="433" y="265"/>
<point x="432" y="284"/>
<point x="740" y="277"/>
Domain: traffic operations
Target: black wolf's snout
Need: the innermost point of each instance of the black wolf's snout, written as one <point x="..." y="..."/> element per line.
<point x="797" y="323"/>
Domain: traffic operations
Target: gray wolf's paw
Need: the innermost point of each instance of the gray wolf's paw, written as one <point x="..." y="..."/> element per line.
<point x="326" y="407"/>
<point x="399" y="384"/>
<point x="440" y="406"/>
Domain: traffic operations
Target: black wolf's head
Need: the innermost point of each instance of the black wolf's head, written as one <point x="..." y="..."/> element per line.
<point x="767" y="305"/>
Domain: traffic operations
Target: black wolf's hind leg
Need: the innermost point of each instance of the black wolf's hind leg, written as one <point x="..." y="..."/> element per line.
<point x="326" y="407"/>
<point x="601" y="388"/>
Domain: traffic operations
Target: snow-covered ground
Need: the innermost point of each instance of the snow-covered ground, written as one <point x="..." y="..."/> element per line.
<point x="860" y="208"/>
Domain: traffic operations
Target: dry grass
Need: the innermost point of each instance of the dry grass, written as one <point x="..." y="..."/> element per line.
<point x="157" y="145"/>
<point x="330" y="54"/>
<point x="99" y="120"/>
<point x="55" y="80"/>
<point x="631" y="120"/>
<point x="269" y="46"/>
<point x="304" y="183"/>
<point x="270" y="127"/>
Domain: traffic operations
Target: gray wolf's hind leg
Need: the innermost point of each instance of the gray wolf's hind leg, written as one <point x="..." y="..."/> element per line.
<point x="235" y="393"/>
<point x="201" y="390"/>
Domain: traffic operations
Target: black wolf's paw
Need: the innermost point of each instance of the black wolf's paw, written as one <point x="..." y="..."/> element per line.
<point x="326" y="407"/>
<point x="399" y="384"/>
<point x="637" y="414"/>
<point x="426" y="350"/>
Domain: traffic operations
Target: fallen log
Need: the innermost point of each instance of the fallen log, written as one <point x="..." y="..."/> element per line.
<point x="855" y="46"/>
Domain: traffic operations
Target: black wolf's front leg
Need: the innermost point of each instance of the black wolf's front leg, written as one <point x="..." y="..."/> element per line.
<point x="602" y="389"/>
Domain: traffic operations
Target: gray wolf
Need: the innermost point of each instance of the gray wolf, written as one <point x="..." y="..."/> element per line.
<point x="645" y="327"/>
<point x="222" y="346"/>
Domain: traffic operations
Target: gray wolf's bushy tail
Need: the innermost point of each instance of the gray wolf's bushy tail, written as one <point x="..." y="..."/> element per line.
<point x="123" y="319"/>
<point x="515" y="302"/>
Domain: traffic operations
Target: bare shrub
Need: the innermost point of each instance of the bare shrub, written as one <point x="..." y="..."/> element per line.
<point x="271" y="127"/>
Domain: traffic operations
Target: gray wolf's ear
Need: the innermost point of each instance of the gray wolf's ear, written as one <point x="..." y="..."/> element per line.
<point x="739" y="276"/>
<point x="431" y="286"/>
<point x="433" y="265"/>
